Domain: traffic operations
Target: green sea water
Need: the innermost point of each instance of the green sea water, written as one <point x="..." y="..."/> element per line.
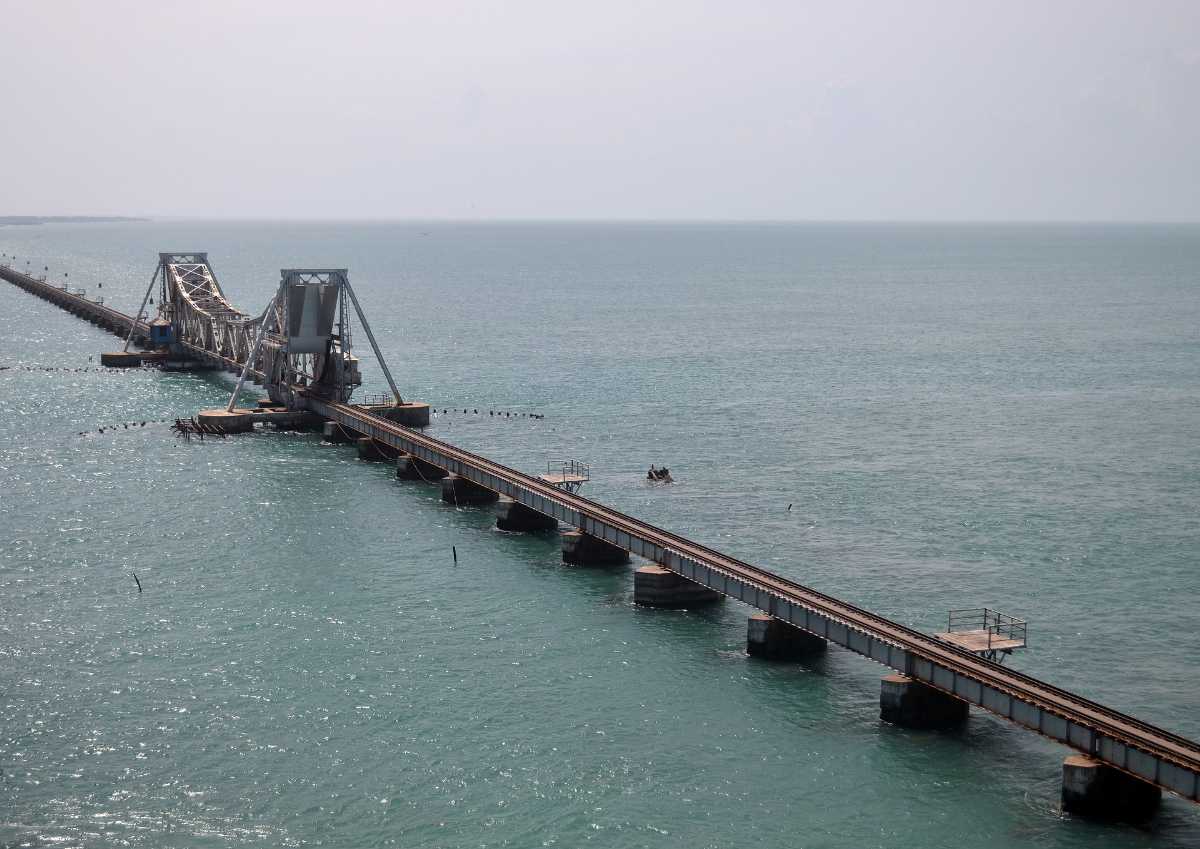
<point x="957" y="415"/>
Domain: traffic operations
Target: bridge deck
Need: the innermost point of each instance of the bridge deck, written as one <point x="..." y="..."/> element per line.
<point x="1139" y="748"/>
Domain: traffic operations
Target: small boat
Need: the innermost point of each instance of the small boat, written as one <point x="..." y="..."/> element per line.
<point x="662" y="475"/>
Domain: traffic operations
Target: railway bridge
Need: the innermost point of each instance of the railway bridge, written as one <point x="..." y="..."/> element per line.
<point x="299" y="348"/>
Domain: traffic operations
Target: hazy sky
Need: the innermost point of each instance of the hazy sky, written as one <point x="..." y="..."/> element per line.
<point x="946" y="110"/>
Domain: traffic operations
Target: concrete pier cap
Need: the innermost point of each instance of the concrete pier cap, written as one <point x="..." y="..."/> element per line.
<point x="1094" y="789"/>
<point x="409" y="414"/>
<point x="281" y="419"/>
<point x="235" y="421"/>
<point x="459" y="490"/>
<point x="657" y="586"/>
<point x="913" y="704"/>
<point x="512" y="515"/>
<point x="580" y="549"/>
<point x="774" y="639"/>
<point x="121" y="359"/>
<point x="333" y="432"/>
<point x="370" y="449"/>
<point x="413" y="468"/>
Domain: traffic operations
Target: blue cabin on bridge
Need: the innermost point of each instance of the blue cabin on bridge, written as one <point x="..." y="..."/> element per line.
<point x="161" y="332"/>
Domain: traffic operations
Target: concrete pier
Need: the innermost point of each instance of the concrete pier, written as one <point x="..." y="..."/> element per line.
<point x="284" y="419"/>
<point x="238" y="421"/>
<point x="121" y="359"/>
<point x="409" y="414"/>
<point x="656" y="586"/>
<point x="512" y="515"/>
<point x="369" y="449"/>
<point x="580" y="549"/>
<point x="912" y="704"/>
<point x="337" y="434"/>
<point x="412" y="468"/>
<point x="456" y="490"/>
<point x="1093" y="789"/>
<point x="774" y="639"/>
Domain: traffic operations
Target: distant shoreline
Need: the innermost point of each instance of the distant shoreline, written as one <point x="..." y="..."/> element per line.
<point x="16" y="220"/>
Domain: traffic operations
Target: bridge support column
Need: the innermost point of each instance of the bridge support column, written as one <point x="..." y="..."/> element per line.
<point x="459" y="490"/>
<point x="337" y="433"/>
<point x="657" y="586"/>
<point x="290" y="419"/>
<point x="369" y="449"/>
<point x="512" y="515"/>
<point x="238" y="421"/>
<point x="580" y="549"/>
<point x="409" y="414"/>
<point x="1094" y="789"/>
<point x="912" y="704"/>
<point x="774" y="639"/>
<point x="121" y="359"/>
<point x="411" y="468"/>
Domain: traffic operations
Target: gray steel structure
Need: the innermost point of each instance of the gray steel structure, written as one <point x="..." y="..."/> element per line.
<point x="192" y="300"/>
<point x="209" y="328"/>
<point x="1138" y="748"/>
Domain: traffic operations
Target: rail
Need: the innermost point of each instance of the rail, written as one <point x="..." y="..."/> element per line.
<point x="1066" y="714"/>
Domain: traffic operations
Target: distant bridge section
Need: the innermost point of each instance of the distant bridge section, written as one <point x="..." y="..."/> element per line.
<point x="77" y="302"/>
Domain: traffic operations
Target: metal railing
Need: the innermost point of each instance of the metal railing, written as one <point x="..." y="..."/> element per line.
<point x="570" y="468"/>
<point x="997" y="625"/>
<point x="376" y="399"/>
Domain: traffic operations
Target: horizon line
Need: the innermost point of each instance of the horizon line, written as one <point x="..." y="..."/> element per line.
<point x="151" y="218"/>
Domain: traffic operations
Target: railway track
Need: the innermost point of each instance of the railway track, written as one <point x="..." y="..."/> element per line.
<point x="1070" y="706"/>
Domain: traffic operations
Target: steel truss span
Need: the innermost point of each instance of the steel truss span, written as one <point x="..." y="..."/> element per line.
<point x="193" y="301"/>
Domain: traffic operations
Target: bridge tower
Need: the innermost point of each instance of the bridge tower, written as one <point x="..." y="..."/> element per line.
<point x="302" y="346"/>
<point x="299" y="348"/>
